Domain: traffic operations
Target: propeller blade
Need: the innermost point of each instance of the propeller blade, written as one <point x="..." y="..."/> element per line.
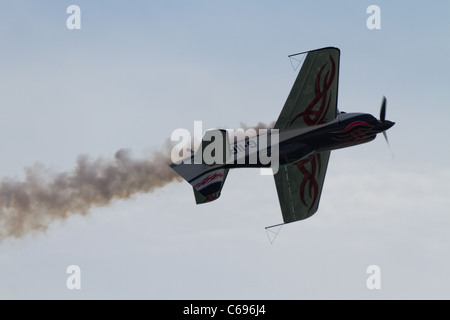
<point x="387" y="141"/>
<point x="383" y="110"/>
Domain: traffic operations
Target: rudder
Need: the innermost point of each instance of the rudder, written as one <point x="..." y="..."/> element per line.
<point x="207" y="179"/>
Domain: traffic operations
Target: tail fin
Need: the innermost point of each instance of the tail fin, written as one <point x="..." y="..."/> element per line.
<point x="210" y="186"/>
<point x="207" y="180"/>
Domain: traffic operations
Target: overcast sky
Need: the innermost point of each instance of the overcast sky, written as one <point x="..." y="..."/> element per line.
<point x="136" y="71"/>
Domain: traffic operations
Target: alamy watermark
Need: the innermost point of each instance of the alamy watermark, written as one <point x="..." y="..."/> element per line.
<point x="226" y="147"/>
<point x="374" y="280"/>
<point x="374" y="20"/>
<point x="73" y="22"/>
<point x="74" y="280"/>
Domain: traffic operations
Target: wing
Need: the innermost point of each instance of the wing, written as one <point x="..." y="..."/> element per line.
<point x="313" y="97"/>
<point x="299" y="186"/>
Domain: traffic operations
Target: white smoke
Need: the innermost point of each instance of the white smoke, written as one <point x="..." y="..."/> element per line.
<point x="45" y="196"/>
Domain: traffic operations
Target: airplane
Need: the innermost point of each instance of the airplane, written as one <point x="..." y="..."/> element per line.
<point x="309" y="128"/>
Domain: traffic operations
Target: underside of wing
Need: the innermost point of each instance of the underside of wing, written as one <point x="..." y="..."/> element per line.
<point x="299" y="186"/>
<point x="313" y="97"/>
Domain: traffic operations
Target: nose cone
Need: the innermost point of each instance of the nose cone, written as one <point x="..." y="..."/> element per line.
<point x="386" y="124"/>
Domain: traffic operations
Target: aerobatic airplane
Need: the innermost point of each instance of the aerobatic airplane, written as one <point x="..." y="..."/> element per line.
<point x="309" y="127"/>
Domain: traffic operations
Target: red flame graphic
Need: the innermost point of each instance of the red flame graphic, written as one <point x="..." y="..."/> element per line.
<point x="212" y="197"/>
<point x="309" y="179"/>
<point x="355" y="133"/>
<point x="311" y="116"/>
<point x="208" y="179"/>
<point x="354" y="124"/>
<point x="315" y="114"/>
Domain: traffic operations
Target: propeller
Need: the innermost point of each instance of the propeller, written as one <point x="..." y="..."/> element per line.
<point x="385" y="123"/>
<point x="383" y="110"/>
<point x="387" y="141"/>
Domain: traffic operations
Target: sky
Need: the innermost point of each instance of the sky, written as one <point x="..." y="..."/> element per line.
<point x="136" y="72"/>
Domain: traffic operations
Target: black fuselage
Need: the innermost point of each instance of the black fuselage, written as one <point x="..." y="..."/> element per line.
<point x="348" y="129"/>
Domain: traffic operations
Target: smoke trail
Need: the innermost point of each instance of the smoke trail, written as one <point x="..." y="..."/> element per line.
<point x="260" y="125"/>
<point x="45" y="196"/>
